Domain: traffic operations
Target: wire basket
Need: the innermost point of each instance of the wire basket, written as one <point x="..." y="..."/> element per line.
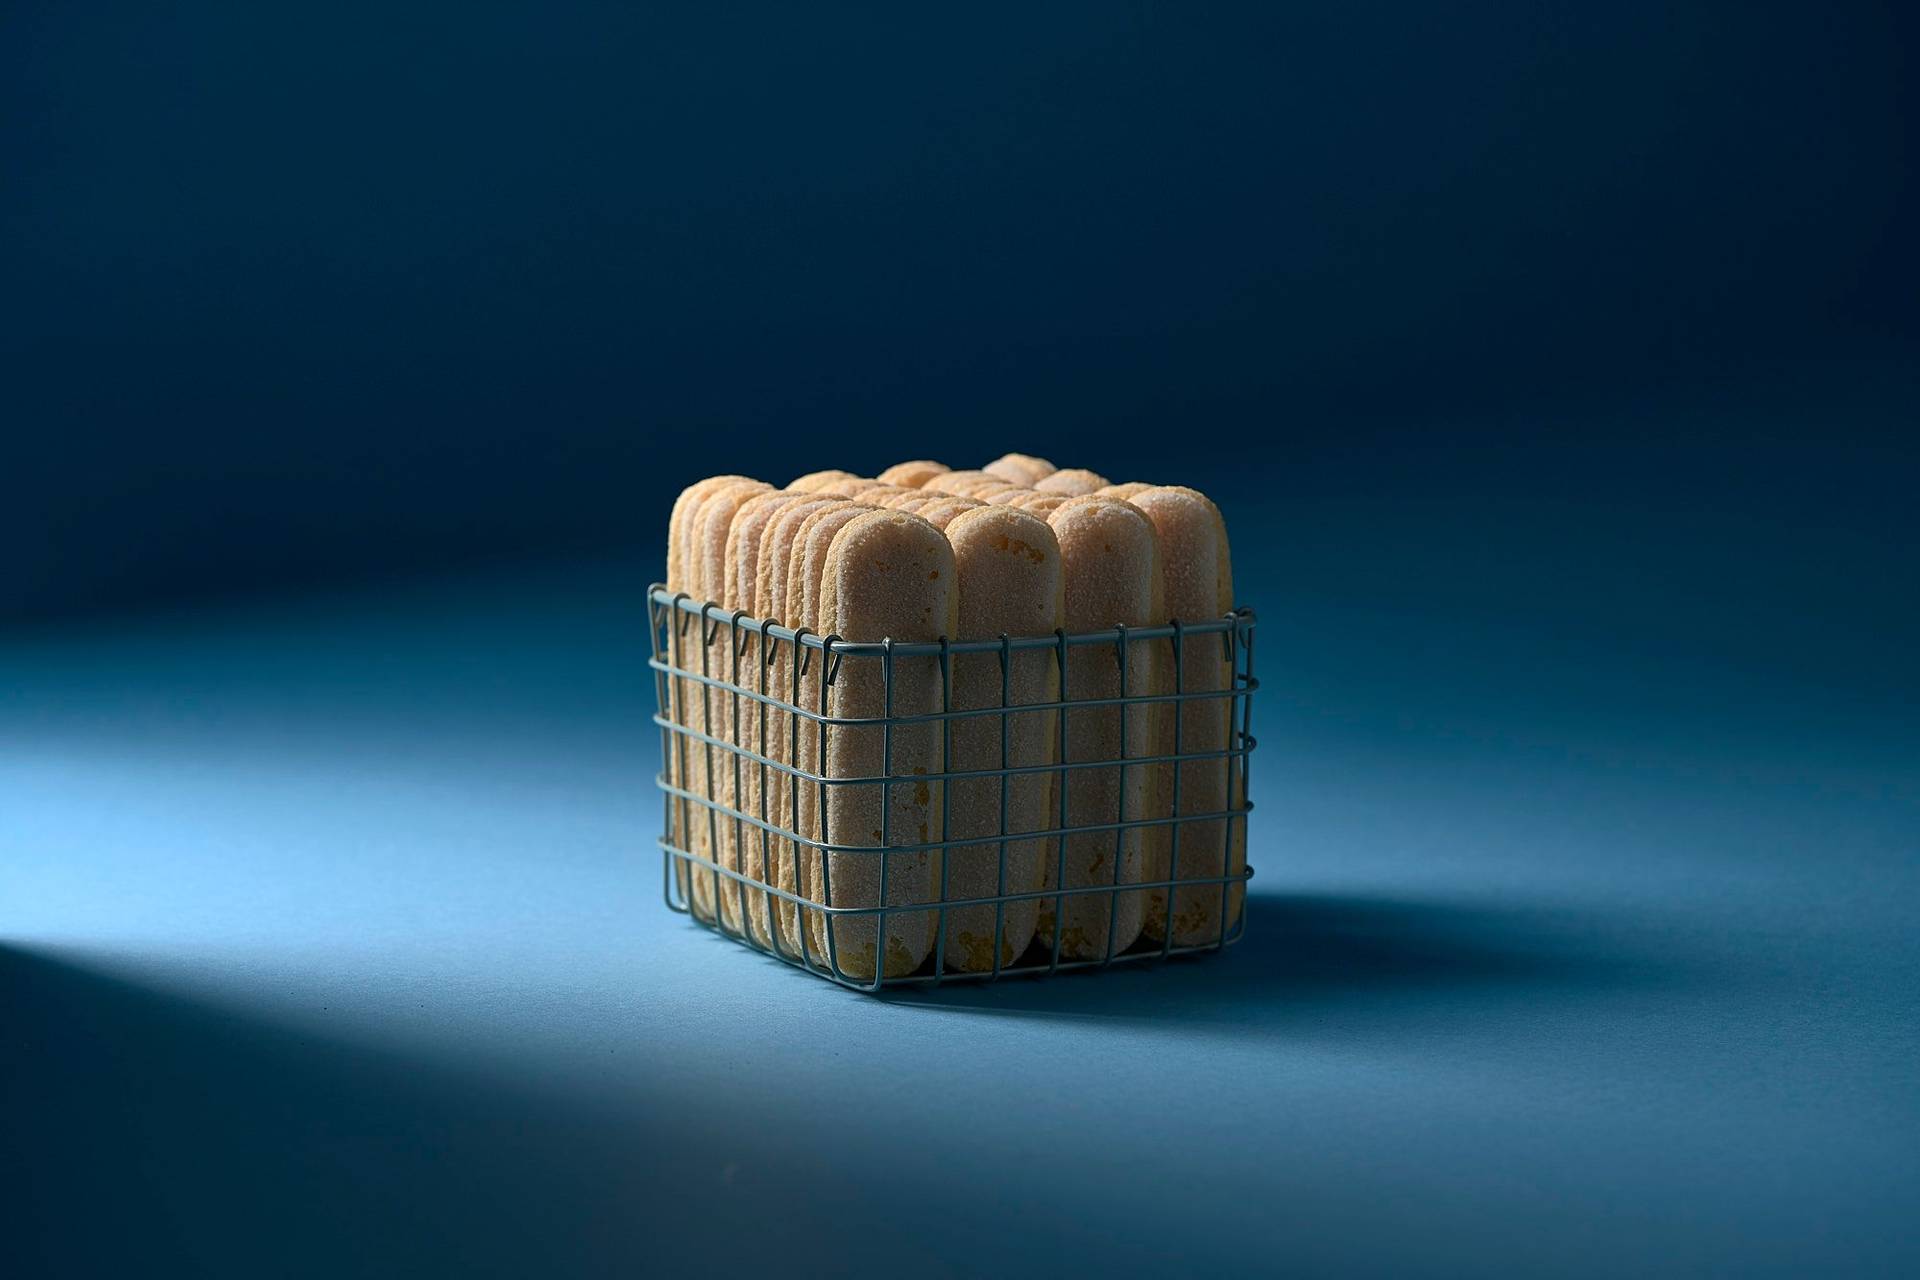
<point x="1010" y="872"/>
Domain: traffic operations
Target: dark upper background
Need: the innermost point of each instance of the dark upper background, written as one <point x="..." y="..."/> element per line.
<point x="1556" y="371"/>
<point x="296" y="293"/>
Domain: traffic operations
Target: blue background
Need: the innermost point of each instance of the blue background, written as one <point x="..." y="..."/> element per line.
<point x="1555" y="370"/>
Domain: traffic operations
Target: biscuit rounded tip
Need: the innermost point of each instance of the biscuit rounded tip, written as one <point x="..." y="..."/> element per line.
<point x="817" y="480"/>
<point x="914" y="474"/>
<point x="878" y="493"/>
<point x="942" y="509"/>
<point x="1022" y="469"/>
<point x="1040" y="504"/>
<point x="1075" y="481"/>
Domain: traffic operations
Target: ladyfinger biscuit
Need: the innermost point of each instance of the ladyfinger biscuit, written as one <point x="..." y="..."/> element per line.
<point x="815" y="480"/>
<point x="798" y="866"/>
<point x="877" y="493"/>
<point x="1075" y="482"/>
<point x="683" y="508"/>
<point x="684" y="574"/>
<point x="1197" y="582"/>
<point x="1040" y="504"/>
<point x="942" y="508"/>
<point x="921" y="501"/>
<point x="1112" y="568"/>
<point x="1123" y="492"/>
<point x="964" y="483"/>
<point x="681" y="690"/>
<point x="912" y="475"/>
<point x="1010" y="584"/>
<point x="713" y="832"/>
<point x="776" y="548"/>
<point x="749" y="851"/>
<point x="891" y="575"/>
<point x="850" y="487"/>
<point x="1022" y="469"/>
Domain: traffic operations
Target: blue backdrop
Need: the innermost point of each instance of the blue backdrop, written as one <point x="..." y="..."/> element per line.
<point x="1556" y="370"/>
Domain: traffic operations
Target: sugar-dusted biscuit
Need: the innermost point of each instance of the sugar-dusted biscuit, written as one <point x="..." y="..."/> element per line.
<point x="1022" y="469"/>
<point x="1010" y="584"/>
<point x="888" y="574"/>
<point x="850" y="487"/>
<point x="814" y="481"/>
<point x="749" y="849"/>
<point x="965" y="484"/>
<point x="1122" y="492"/>
<point x="776" y="549"/>
<point x="1075" y="482"/>
<point x="1112" y="568"/>
<point x="713" y="832"/>
<point x="913" y="475"/>
<point x="877" y="492"/>
<point x="701" y="564"/>
<point x="682" y="691"/>
<point x="1040" y="504"/>
<point x="800" y="800"/>
<point x="943" y="507"/>
<point x="1197" y="586"/>
<point x="683" y="509"/>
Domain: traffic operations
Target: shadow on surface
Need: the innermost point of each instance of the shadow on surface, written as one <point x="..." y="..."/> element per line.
<point x="1310" y="954"/>
<point x="157" y="1136"/>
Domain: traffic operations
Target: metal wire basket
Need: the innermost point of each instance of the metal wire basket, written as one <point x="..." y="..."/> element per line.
<point x="751" y="797"/>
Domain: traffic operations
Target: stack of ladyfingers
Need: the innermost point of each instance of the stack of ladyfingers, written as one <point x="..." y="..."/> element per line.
<point x="914" y="554"/>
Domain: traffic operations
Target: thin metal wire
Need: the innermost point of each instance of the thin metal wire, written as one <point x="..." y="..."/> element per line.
<point x="728" y="867"/>
<point x="1120" y="837"/>
<point x="1000" y="880"/>
<point x="1179" y="714"/>
<point x="886" y="818"/>
<point x="946" y="811"/>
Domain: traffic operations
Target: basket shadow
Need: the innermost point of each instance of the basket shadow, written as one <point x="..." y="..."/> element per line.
<point x="1305" y="955"/>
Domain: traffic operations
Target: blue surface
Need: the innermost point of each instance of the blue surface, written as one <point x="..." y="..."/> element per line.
<point x="332" y="942"/>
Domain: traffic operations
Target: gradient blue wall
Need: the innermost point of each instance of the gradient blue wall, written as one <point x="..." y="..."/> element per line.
<point x="314" y="292"/>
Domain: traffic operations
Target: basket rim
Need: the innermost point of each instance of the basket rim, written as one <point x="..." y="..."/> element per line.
<point x="713" y="616"/>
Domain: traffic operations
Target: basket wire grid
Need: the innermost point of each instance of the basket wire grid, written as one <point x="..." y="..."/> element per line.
<point x="701" y="685"/>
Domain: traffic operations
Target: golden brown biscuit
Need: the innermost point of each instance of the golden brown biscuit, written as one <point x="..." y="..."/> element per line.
<point x="887" y="574"/>
<point x="877" y="493"/>
<point x="806" y="565"/>
<point x="749" y="850"/>
<point x="776" y="550"/>
<point x="964" y="484"/>
<point x="1076" y="482"/>
<point x="1112" y="569"/>
<point x="943" y="507"/>
<point x="913" y="475"/>
<point x="1022" y="469"/>
<point x="814" y="481"/>
<point x="1010" y="584"/>
<point x="679" y="766"/>
<point x="1197" y="579"/>
<point x="1040" y="504"/>
<point x="709" y="709"/>
<point x="1122" y="492"/>
<point x="850" y="487"/>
